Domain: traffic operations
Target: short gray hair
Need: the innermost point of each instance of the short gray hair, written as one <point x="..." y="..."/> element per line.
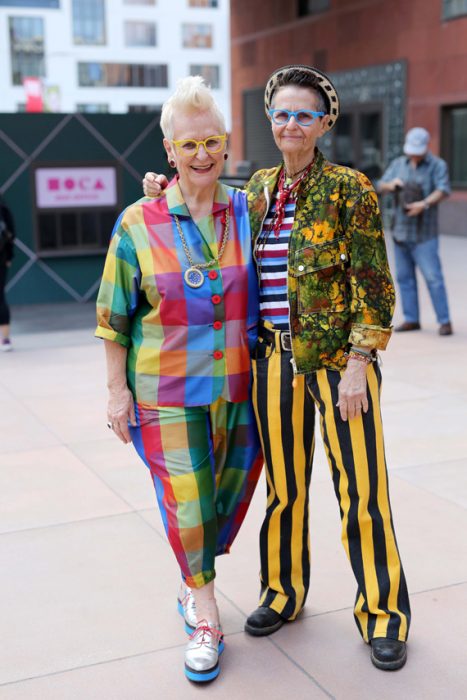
<point x="191" y="95"/>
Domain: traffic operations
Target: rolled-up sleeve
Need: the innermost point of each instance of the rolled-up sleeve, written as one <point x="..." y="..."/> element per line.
<point x="441" y="177"/>
<point x="117" y="297"/>
<point x="372" y="289"/>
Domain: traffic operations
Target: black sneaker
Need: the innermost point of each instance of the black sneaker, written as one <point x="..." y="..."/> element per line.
<point x="388" y="654"/>
<point x="263" y="621"/>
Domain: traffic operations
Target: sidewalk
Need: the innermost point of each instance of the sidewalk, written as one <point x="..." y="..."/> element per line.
<point x="88" y="585"/>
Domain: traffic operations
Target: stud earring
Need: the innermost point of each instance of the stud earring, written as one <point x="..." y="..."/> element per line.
<point x="172" y="163"/>
<point x="226" y="155"/>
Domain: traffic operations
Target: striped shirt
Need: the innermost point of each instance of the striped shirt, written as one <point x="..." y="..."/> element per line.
<point x="186" y="346"/>
<point x="271" y="254"/>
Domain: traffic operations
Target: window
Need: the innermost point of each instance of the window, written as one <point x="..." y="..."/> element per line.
<point x="92" y="108"/>
<point x="197" y="36"/>
<point x="144" y="108"/>
<point x="51" y="4"/>
<point x="122" y="75"/>
<point x="203" y="3"/>
<point x="312" y="7"/>
<point x="454" y="8"/>
<point x="75" y="207"/>
<point x="27" y="48"/>
<point x="140" y="34"/>
<point x="209" y="73"/>
<point x="455" y="143"/>
<point x="139" y="2"/>
<point x="89" y="22"/>
<point x="74" y="232"/>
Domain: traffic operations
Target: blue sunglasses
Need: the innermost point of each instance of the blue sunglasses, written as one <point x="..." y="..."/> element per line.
<point x="303" y="117"/>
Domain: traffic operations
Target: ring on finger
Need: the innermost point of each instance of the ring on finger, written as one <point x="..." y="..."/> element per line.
<point x="110" y="425"/>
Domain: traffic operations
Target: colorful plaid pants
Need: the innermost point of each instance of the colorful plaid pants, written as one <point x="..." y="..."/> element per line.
<point x="205" y="462"/>
<point x="355" y="451"/>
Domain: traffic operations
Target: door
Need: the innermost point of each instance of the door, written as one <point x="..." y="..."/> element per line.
<point x="358" y="139"/>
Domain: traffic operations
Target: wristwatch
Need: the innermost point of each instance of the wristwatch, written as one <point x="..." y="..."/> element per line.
<point x="427" y="204"/>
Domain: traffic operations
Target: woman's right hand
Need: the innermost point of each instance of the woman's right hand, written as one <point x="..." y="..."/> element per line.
<point x="154" y="184"/>
<point x="120" y="410"/>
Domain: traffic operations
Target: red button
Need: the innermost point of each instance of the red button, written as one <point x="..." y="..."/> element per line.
<point x="212" y="274"/>
<point x="216" y="299"/>
<point x="217" y="325"/>
<point x="218" y="354"/>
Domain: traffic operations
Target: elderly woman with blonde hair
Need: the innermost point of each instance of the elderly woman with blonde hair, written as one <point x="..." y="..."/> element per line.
<point x="177" y="309"/>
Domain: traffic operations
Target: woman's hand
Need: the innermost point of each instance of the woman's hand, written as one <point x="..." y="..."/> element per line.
<point x="154" y="184"/>
<point x="352" y="390"/>
<point x="120" y="410"/>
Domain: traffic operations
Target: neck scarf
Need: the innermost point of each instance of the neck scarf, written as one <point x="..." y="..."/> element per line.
<point x="283" y="193"/>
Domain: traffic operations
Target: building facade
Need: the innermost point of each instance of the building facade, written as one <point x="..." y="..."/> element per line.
<point x="396" y="64"/>
<point x="106" y="67"/>
<point x="112" y="55"/>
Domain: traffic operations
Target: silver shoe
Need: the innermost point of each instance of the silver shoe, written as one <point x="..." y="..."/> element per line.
<point x="187" y="609"/>
<point x="202" y="652"/>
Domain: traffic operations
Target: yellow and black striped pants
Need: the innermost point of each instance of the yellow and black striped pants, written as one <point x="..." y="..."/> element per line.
<point x="355" y="452"/>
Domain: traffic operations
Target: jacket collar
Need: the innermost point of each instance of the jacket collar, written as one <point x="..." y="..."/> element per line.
<point x="318" y="164"/>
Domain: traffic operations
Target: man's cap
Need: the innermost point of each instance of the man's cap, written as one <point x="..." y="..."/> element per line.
<point x="324" y="85"/>
<point x="416" y="141"/>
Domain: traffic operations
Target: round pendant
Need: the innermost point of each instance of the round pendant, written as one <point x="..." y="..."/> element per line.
<point x="194" y="277"/>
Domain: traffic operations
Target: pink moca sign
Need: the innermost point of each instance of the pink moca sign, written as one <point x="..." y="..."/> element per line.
<point x="75" y="187"/>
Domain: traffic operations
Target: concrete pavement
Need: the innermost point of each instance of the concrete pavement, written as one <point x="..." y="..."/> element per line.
<point x="88" y="585"/>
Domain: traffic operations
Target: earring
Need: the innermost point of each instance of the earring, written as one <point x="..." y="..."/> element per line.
<point x="172" y="163"/>
<point x="226" y="155"/>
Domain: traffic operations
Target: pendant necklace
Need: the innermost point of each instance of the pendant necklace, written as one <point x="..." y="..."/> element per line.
<point x="193" y="276"/>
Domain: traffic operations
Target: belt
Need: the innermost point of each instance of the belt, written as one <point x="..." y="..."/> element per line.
<point x="281" y="340"/>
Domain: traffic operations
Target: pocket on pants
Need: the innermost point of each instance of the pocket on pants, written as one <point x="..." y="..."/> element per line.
<point x="263" y="349"/>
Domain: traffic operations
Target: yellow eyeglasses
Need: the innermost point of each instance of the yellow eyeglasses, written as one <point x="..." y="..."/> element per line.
<point x="190" y="147"/>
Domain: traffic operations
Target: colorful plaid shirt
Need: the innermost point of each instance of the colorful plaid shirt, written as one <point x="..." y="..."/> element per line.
<point x="186" y="346"/>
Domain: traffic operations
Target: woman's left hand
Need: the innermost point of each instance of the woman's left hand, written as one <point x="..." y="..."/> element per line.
<point x="352" y="390"/>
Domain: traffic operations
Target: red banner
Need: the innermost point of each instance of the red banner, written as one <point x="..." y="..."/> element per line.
<point x="33" y="90"/>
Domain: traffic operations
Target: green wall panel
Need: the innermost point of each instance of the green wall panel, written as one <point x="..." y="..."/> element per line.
<point x="130" y="151"/>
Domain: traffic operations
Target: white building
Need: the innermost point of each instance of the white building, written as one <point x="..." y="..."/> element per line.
<point x="112" y="55"/>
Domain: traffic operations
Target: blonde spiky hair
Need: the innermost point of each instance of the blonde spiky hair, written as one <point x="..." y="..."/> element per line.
<point x="191" y="95"/>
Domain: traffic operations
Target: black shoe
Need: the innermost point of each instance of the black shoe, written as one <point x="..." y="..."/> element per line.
<point x="263" y="621"/>
<point x="408" y="326"/>
<point x="388" y="654"/>
<point x="445" y="329"/>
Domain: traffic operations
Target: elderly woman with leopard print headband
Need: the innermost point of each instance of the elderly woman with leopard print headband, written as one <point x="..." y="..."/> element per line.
<point x="326" y="304"/>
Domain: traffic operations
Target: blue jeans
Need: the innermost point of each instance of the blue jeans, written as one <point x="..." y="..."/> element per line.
<point x="425" y="256"/>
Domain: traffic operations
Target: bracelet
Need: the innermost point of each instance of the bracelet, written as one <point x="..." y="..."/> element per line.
<point x="361" y="358"/>
<point x="360" y="351"/>
<point x="426" y="204"/>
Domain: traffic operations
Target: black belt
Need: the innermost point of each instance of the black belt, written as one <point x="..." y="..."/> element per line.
<point x="279" y="339"/>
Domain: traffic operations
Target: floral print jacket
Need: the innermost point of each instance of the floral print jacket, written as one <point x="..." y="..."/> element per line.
<point x="339" y="284"/>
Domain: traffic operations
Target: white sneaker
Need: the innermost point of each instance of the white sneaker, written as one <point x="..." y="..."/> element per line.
<point x="202" y="652"/>
<point x="187" y="609"/>
<point x="5" y="345"/>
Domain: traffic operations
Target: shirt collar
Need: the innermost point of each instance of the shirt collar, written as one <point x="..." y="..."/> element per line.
<point x="176" y="204"/>
<point x="426" y="159"/>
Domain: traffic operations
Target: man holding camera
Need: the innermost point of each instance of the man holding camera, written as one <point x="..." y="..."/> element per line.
<point x="419" y="181"/>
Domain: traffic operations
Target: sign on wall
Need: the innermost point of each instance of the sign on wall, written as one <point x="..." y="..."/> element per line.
<point x="75" y="187"/>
